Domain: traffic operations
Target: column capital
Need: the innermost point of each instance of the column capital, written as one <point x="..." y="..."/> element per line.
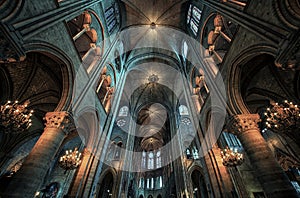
<point x="60" y="120"/>
<point x="243" y="122"/>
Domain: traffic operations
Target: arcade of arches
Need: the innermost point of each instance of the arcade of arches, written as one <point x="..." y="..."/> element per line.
<point x="150" y="93"/>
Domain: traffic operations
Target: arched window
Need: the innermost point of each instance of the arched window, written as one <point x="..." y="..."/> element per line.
<point x="183" y="110"/>
<point x="185" y="49"/>
<point x="112" y="149"/>
<point x="118" y="150"/>
<point x="195" y="153"/>
<point x="151" y="160"/>
<point x="123" y="111"/>
<point x="83" y="31"/>
<point x="160" y="182"/>
<point x="158" y="159"/>
<point x="144" y="159"/>
<point x="112" y="17"/>
<point x="106" y="187"/>
<point x="152" y="183"/>
<point x="193" y="18"/>
<point x="188" y="153"/>
<point x="199" y="184"/>
<point x="141" y="183"/>
<point x="148" y="183"/>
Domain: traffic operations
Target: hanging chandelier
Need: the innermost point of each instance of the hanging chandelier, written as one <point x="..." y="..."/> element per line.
<point x="283" y="119"/>
<point x="15" y="117"/>
<point x="231" y="158"/>
<point x="71" y="160"/>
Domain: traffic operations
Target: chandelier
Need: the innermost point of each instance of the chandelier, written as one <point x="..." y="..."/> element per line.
<point x="231" y="158"/>
<point x="283" y="119"/>
<point x="15" y="117"/>
<point x="70" y="160"/>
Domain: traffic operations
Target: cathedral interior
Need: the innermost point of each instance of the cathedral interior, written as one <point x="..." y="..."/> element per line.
<point x="150" y="99"/>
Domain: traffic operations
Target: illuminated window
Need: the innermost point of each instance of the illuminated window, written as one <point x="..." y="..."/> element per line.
<point x="141" y="183"/>
<point x="144" y="159"/>
<point x="185" y="49"/>
<point x="118" y="150"/>
<point x="194" y="26"/>
<point x="151" y="160"/>
<point x="188" y="18"/>
<point x="123" y="111"/>
<point x="160" y="182"/>
<point x="158" y="159"/>
<point x="111" y="17"/>
<point x="183" y="110"/>
<point x="152" y="182"/>
<point x="188" y="153"/>
<point x="196" y="14"/>
<point x="193" y="19"/>
<point x="296" y="186"/>
<point x="195" y="153"/>
<point x="148" y="183"/>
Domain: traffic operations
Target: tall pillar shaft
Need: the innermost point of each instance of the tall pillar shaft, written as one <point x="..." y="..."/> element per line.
<point x="268" y="172"/>
<point x="30" y="177"/>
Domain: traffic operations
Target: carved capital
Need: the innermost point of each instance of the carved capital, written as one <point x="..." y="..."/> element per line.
<point x="86" y="152"/>
<point x="243" y="122"/>
<point x="60" y="120"/>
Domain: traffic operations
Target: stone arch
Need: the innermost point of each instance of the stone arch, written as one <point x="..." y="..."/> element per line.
<point x="102" y="29"/>
<point x="213" y="122"/>
<point x="235" y="102"/>
<point x="202" y="35"/>
<point x="215" y="37"/>
<point x="107" y="183"/>
<point x="198" y="182"/>
<point x="137" y="57"/>
<point x="66" y="67"/>
<point x="199" y="85"/>
<point x="289" y="12"/>
<point x="88" y="126"/>
<point x="115" y="150"/>
<point x="112" y="73"/>
<point x="86" y="35"/>
<point x="11" y="9"/>
<point x="105" y="87"/>
<point x="42" y="78"/>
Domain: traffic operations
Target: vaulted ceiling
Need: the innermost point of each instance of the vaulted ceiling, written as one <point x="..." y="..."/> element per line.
<point x="161" y="12"/>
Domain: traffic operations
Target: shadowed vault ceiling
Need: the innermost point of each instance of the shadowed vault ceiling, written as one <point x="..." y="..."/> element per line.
<point x="161" y="12"/>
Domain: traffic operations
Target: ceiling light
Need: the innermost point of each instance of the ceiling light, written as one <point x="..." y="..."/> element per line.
<point x="152" y="25"/>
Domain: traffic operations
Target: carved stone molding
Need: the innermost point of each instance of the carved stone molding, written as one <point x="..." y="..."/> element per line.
<point x="60" y="120"/>
<point x="243" y="122"/>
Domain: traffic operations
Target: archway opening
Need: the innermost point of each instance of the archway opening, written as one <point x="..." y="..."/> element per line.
<point x="199" y="186"/>
<point x="106" y="189"/>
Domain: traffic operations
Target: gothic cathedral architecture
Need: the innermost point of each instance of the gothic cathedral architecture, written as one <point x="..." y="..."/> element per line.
<point x="149" y="99"/>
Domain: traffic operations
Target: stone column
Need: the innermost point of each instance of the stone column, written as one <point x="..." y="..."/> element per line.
<point x="28" y="180"/>
<point x="268" y="172"/>
<point x="86" y="171"/>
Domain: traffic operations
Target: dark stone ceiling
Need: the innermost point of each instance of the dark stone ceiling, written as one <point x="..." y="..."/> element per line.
<point x="161" y="12"/>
